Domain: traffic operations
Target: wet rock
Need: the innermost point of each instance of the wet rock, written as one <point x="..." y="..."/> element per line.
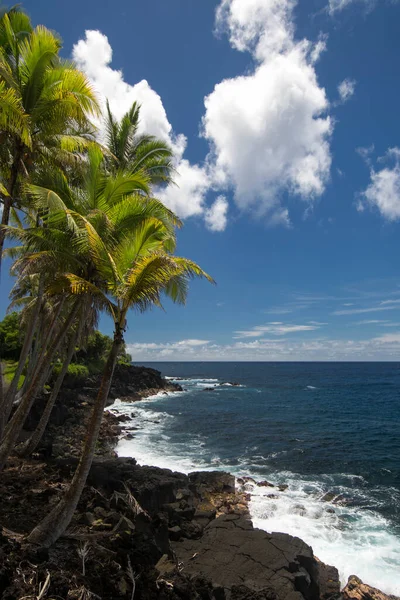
<point x="208" y="389"/>
<point x="246" y="479"/>
<point x="282" y="487"/>
<point x="357" y="590"/>
<point x="328" y="497"/>
<point x="265" y="483"/>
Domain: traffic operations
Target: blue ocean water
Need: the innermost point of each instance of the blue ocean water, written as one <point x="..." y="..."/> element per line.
<point x="320" y="428"/>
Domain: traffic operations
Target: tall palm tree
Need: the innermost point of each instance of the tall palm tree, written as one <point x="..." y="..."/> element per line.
<point x="107" y="207"/>
<point x="45" y="105"/>
<point x="137" y="271"/>
<point x="132" y="151"/>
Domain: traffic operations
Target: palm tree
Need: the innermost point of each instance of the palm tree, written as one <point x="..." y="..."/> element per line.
<point x="45" y="103"/>
<point x="131" y="151"/>
<point x="136" y="271"/>
<point x="107" y="207"/>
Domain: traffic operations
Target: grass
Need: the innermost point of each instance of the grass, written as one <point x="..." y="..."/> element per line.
<point x="9" y="368"/>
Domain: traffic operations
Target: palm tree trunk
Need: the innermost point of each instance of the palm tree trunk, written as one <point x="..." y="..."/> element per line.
<point x="26" y="348"/>
<point x="2" y="396"/>
<point x="57" y="521"/>
<point x="16" y="423"/>
<point x="32" y="443"/>
<point x="40" y="349"/>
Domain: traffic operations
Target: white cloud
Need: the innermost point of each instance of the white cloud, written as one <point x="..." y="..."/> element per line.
<point x="268" y="130"/>
<point x="189" y="346"/>
<point x="346" y="89"/>
<point x="385" y="347"/>
<point x="187" y="197"/>
<point x="216" y="215"/>
<point x="275" y="328"/>
<point x="338" y="5"/>
<point x="383" y="192"/>
<point x="370" y="322"/>
<point x="360" y="311"/>
<point x="335" y="6"/>
<point x="94" y="55"/>
<point x="397" y="301"/>
<point x="389" y="338"/>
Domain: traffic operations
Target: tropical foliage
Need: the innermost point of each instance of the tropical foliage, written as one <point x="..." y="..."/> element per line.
<point x="85" y="234"/>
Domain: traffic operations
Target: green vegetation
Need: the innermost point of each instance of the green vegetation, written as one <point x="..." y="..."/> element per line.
<point x="10" y="337"/>
<point x="9" y="369"/>
<point x="85" y="234"/>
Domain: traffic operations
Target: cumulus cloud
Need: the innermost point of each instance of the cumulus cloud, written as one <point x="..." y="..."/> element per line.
<point x="268" y="130"/>
<point x="275" y="328"/>
<point x="216" y="215"/>
<point x="186" y="347"/>
<point x="383" y="191"/>
<point x="346" y="89"/>
<point x="384" y="347"/>
<point x="188" y="197"/>
<point x="389" y="338"/>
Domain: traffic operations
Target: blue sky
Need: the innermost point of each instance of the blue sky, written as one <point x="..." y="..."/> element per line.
<point x="284" y="118"/>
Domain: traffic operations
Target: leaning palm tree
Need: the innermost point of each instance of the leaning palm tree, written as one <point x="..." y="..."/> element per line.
<point x="137" y="271"/>
<point x="133" y="151"/>
<point x="109" y="207"/>
<point x="45" y="104"/>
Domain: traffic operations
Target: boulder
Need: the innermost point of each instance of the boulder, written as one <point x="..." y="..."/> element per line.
<point x="249" y="563"/>
<point x="265" y="483"/>
<point x="212" y="482"/>
<point x="357" y="590"/>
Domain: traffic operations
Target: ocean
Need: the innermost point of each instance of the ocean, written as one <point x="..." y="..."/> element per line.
<point x="329" y="431"/>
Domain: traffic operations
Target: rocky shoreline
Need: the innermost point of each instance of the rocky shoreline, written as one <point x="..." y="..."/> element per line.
<point x="142" y="532"/>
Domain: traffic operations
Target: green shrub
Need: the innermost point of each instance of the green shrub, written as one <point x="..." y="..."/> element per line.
<point x="10" y="337"/>
<point x="75" y="372"/>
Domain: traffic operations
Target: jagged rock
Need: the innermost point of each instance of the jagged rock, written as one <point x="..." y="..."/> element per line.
<point x="328" y="497"/>
<point x="212" y="482"/>
<point x="328" y="581"/>
<point x="265" y="483"/>
<point x="357" y="590"/>
<point x="247" y="561"/>
<point x="133" y="383"/>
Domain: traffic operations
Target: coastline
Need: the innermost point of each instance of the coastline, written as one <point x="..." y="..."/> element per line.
<point x="187" y="536"/>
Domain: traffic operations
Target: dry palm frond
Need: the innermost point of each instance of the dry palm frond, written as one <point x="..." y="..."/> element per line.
<point x="83" y="553"/>
<point x="82" y="593"/>
<point x="132" y="576"/>
<point x="129" y="500"/>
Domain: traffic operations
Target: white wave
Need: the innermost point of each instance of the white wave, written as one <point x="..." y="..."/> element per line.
<point x="355" y="541"/>
<point x="311" y="387"/>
